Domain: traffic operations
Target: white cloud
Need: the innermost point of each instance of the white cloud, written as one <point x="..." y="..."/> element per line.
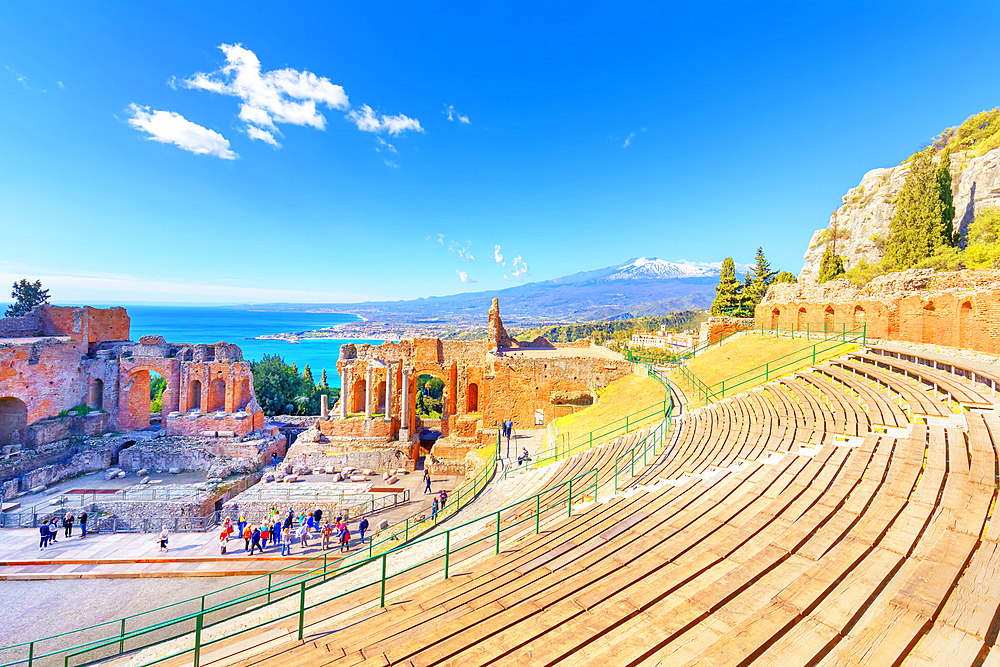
<point x="269" y="97"/>
<point x="628" y="140"/>
<point x="368" y="121"/>
<point x="496" y="254"/>
<point x="440" y="238"/>
<point x="454" y="115"/>
<point x="386" y="145"/>
<point x="172" y="128"/>
<point x="60" y="84"/>
<point x="390" y="163"/>
<point x="517" y="269"/>
<point x="463" y="251"/>
<point x="262" y="135"/>
<point x="464" y="277"/>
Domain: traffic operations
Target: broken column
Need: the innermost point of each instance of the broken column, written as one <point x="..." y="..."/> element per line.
<point x="324" y="409"/>
<point x="388" y="392"/>
<point x="368" y="393"/>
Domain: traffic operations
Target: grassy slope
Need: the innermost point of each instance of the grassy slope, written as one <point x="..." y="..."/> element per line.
<point x="736" y="360"/>
<point x="620" y="398"/>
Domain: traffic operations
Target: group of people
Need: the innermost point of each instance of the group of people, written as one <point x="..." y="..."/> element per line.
<point x="283" y="531"/>
<point x="507" y="430"/>
<point x="438" y="503"/>
<point x="49" y="530"/>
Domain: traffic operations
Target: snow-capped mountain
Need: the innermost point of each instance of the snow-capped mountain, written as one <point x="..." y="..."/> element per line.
<point x="651" y="267"/>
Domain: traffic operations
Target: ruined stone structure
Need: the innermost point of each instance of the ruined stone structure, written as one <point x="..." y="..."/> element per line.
<point x="956" y="309"/>
<point x="57" y="358"/>
<point x="486" y="381"/>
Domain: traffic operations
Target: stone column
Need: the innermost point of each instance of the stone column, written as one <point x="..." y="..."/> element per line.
<point x="368" y="393"/>
<point x="404" y="390"/>
<point x="344" y="384"/>
<point x="388" y="392"/>
<point x="324" y="406"/>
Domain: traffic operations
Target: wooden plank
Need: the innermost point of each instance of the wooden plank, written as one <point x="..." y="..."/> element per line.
<point x="945" y="645"/>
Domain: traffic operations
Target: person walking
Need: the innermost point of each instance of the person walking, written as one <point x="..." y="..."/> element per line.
<point x="362" y="527"/>
<point x="264" y="534"/>
<point x="444" y="498"/>
<point x="83" y="525"/>
<point x="286" y="541"/>
<point x="53" y="531"/>
<point x="345" y="538"/>
<point x="43" y="532"/>
<point x="318" y="518"/>
<point x="164" y="538"/>
<point x="311" y="523"/>
<point x="427" y="481"/>
<point x="274" y="458"/>
<point x="223" y="542"/>
<point x="327" y="533"/>
<point x="255" y="541"/>
<point x="276" y="530"/>
<point x="303" y="536"/>
<point x="68" y="524"/>
<point x="241" y="523"/>
<point x="247" y="534"/>
<point x="510" y="432"/>
<point x="434" y="509"/>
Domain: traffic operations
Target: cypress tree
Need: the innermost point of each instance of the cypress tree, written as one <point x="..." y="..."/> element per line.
<point x="727" y="294"/>
<point x="322" y="380"/>
<point x="307" y="377"/>
<point x="916" y="227"/>
<point x="759" y="278"/>
<point x="944" y="193"/>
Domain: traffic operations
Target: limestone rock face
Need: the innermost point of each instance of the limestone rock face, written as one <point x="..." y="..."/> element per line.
<point x="868" y="208"/>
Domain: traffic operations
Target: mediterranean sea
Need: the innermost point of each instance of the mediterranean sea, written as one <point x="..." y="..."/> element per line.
<point x="196" y="324"/>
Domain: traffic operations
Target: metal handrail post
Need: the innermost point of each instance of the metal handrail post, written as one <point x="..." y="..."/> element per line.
<point x="302" y="606"/>
<point x="198" y="625"/>
<point x="447" y="548"/>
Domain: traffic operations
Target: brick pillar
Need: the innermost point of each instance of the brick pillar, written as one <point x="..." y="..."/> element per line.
<point x="388" y="393"/>
<point x="368" y="393"/>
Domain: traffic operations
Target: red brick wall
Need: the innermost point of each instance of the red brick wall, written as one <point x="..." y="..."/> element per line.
<point x="970" y="321"/>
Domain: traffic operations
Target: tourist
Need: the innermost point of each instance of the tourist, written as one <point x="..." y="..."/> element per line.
<point x="68" y="524"/>
<point x="318" y="517"/>
<point x="83" y="525"/>
<point x="247" y="533"/>
<point x="241" y="523"/>
<point x="43" y="531"/>
<point x="434" y="509"/>
<point x="444" y="498"/>
<point x="510" y="432"/>
<point x="362" y="527"/>
<point x="274" y="458"/>
<point x="303" y="536"/>
<point x="276" y="530"/>
<point x="427" y="481"/>
<point x="327" y="533"/>
<point x="311" y="523"/>
<point x="345" y="537"/>
<point x="264" y="534"/>
<point x="523" y="458"/>
<point x="286" y="541"/>
<point x="164" y="537"/>
<point x="223" y="542"/>
<point x="53" y="531"/>
<point x="255" y="541"/>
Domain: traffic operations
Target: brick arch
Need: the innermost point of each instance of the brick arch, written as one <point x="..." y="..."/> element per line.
<point x="928" y="323"/>
<point x="216" y="395"/>
<point x="775" y="317"/>
<point x="858" y="314"/>
<point x="965" y="324"/>
<point x="133" y="410"/>
<point x="359" y="396"/>
<point x="243" y="394"/>
<point x="195" y="392"/>
<point x="13" y="420"/>
<point x="800" y="318"/>
<point x="437" y="371"/>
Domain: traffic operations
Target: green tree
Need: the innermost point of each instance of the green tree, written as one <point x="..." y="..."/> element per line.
<point x="983" y="249"/>
<point x="277" y="386"/>
<point x="759" y="278"/>
<point x="916" y="227"/>
<point x="307" y="377"/>
<point x="785" y="277"/>
<point x="26" y="296"/>
<point x="322" y="381"/>
<point x="944" y="194"/>
<point x="157" y="385"/>
<point x="831" y="266"/>
<point x="727" y="294"/>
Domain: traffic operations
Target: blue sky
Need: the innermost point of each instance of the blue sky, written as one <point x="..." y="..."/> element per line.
<point x="385" y="151"/>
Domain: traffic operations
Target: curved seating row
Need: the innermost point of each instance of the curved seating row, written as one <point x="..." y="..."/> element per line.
<point x="777" y="529"/>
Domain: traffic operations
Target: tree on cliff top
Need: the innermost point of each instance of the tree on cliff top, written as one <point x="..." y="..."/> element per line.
<point x="26" y="296"/>
<point x="916" y="230"/>
<point x="831" y="266"/>
<point x="727" y="294"/>
<point x="944" y="194"/>
<point x="785" y="277"/>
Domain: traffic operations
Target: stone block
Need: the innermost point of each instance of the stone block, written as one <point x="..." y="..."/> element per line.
<point x="291" y="478"/>
<point x="369" y="471"/>
<point x="55" y="501"/>
<point x="382" y="524"/>
<point x="358" y="478"/>
<point x="269" y="477"/>
<point x="174" y="471"/>
<point x="144" y="480"/>
<point x="142" y="472"/>
<point x="329" y="470"/>
<point x="302" y="470"/>
<point x="209" y="434"/>
<point x="226" y="434"/>
<point x="392" y="480"/>
<point x="402" y="471"/>
<point x="112" y="473"/>
<point x="121" y="474"/>
<point x="38" y="489"/>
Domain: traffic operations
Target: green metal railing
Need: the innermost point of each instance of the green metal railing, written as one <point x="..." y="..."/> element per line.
<point x="831" y="339"/>
<point x="581" y="488"/>
<point x="117" y="637"/>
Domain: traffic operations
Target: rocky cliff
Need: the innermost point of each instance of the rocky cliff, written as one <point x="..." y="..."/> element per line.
<point x="863" y="219"/>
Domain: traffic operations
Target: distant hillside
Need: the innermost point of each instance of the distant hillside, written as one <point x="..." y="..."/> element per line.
<point x="601" y="331"/>
<point x="639" y="287"/>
